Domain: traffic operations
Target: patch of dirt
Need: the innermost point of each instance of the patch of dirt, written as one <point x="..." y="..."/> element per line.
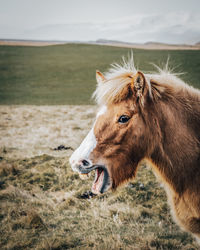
<point x="27" y="131"/>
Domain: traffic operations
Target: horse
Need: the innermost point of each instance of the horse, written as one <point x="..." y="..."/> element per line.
<point x="151" y="119"/>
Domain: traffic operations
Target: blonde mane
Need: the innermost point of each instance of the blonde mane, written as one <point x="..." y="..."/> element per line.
<point x="119" y="77"/>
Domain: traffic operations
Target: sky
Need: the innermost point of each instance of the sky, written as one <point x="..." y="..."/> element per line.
<point x="134" y="21"/>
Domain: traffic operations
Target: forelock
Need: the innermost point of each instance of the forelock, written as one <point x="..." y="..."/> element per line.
<point x="118" y="77"/>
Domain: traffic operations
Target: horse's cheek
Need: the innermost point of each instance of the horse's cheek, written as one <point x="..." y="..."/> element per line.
<point x="121" y="171"/>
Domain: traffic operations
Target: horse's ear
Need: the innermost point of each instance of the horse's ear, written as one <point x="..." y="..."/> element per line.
<point x="100" y="77"/>
<point x="139" y="86"/>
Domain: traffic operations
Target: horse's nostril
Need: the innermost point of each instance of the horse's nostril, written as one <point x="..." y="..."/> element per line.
<point x="85" y="163"/>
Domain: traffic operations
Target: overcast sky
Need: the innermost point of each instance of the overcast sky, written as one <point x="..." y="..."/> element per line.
<point x="170" y="21"/>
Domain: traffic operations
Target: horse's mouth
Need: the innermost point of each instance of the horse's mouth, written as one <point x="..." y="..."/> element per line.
<point x="102" y="180"/>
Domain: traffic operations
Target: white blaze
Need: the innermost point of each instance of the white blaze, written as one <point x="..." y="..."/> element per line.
<point x="87" y="145"/>
<point x="84" y="150"/>
<point x="101" y="111"/>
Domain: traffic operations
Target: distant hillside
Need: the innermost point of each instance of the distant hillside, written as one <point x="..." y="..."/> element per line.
<point x="112" y="42"/>
<point x="147" y="45"/>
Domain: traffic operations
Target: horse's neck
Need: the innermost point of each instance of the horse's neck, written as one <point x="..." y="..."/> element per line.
<point x="176" y="154"/>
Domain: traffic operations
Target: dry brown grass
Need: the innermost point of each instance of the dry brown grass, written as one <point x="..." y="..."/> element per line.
<point x="27" y="43"/>
<point x="42" y="205"/>
<point x="28" y="131"/>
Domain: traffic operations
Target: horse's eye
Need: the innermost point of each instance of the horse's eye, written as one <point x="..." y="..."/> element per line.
<point x="123" y="119"/>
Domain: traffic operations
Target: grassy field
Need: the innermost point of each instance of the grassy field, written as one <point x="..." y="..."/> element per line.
<point x="65" y="74"/>
<point x="43" y="204"/>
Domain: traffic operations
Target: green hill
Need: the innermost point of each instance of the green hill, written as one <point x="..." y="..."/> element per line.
<point x="65" y="74"/>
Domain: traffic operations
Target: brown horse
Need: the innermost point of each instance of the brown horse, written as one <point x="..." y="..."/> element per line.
<point x="151" y="118"/>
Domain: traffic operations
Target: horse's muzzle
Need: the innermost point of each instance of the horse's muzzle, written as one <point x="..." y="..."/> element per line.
<point x="102" y="180"/>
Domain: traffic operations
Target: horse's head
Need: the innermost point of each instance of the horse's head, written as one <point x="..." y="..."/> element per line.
<point x="118" y="139"/>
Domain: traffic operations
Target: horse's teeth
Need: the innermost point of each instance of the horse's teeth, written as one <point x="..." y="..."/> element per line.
<point x="83" y="176"/>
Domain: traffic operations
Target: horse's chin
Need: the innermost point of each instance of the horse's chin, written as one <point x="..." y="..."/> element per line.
<point x="102" y="180"/>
